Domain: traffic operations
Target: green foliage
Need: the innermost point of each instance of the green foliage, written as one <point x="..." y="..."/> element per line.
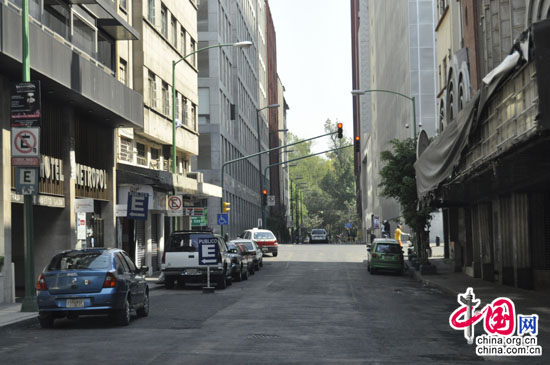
<point x="399" y="182"/>
<point x="328" y="184"/>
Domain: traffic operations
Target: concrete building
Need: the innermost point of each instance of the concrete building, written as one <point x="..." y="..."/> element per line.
<point x="74" y="53"/>
<point x="401" y="58"/>
<point x="495" y="198"/>
<point x="233" y="94"/>
<point x="144" y="156"/>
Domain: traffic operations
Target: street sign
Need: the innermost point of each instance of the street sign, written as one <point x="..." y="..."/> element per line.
<point x="85" y="205"/>
<point x="121" y="210"/>
<point x="26" y="180"/>
<point x="208" y="251"/>
<point x="175" y="205"/>
<point x="348" y="225"/>
<point x="138" y="205"/>
<point x="223" y="219"/>
<point x="25" y="104"/>
<point x="271" y="200"/>
<point x="25" y="146"/>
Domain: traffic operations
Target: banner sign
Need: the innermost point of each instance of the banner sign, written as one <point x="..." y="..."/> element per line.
<point x="25" y="104"/>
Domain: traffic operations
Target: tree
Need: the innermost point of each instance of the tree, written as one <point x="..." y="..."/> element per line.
<point x="399" y="182"/>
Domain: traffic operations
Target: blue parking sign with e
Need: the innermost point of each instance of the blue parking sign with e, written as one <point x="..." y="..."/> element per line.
<point x="138" y="205"/>
<point x="223" y="219"/>
<point x="208" y="251"/>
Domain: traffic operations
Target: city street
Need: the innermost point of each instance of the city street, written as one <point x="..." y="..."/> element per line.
<point x="313" y="303"/>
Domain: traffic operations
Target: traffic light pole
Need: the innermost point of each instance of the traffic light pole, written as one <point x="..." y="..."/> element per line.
<point x="289" y="161"/>
<point x="258" y="154"/>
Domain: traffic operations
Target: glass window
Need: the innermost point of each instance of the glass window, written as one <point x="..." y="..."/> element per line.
<point x="194" y="116"/>
<point x="123" y="4"/>
<point x="183" y="42"/>
<point x="165" y="98"/>
<point x="119" y="261"/>
<point x="388" y="248"/>
<point x="164" y="20"/>
<point x="76" y="260"/>
<point x="106" y="50"/>
<point x="141" y="159"/>
<point x="151" y="11"/>
<point x="174" y="31"/>
<point x="155" y="163"/>
<point x="84" y="35"/>
<point x="122" y="71"/>
<point x="186" y="242"/>
<point x="129" y="262"/>
<point x="152" y="90"/>
<point x="263" y="235"/>
<point x="193" y="49"/>
<point x="185" y="117"/>
<point x="57" y="17"/>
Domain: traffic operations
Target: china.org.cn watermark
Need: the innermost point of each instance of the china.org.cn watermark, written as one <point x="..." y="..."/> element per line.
<point x="506" y="334"/>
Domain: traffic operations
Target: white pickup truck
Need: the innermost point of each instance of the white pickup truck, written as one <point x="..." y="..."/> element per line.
<point x="180" y="261"/>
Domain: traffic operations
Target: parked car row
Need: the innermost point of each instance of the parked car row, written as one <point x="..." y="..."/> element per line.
<point x="237" y="259"/>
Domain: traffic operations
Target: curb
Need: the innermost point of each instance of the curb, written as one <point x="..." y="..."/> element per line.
<point x="20" y="323"/>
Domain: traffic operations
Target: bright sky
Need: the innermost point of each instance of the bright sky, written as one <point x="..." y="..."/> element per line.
<point x="314" y="64"/>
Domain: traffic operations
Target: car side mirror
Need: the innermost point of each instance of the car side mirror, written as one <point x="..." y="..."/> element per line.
<point x="369" y="249"/>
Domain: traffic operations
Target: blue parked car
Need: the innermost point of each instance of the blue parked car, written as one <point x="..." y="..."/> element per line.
<point x="92" y="281"/>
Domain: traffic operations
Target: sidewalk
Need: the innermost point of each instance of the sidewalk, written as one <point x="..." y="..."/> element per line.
<point x="11" y="315"/>
<point x="452" y="283"/>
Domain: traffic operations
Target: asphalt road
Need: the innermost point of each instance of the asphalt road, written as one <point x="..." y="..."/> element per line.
<point x="311" y="304"/>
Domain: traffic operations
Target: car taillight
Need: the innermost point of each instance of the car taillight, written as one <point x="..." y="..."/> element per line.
<point x="374" y="255"/>
<point x="163" y="257"/>
<point x="253" y="252"/>
<point x="41" y="283"/>
<point x="110" y="281"/>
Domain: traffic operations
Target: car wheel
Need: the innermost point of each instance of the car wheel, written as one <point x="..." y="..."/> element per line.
<point x="257" y="266"/>
<point x="368" y="266"/>
<point x="144" y="311"/>
<point x="275" y="254"/>
<point x="245" y="275"/>
<point x="239" y="276"/>
<point x="372" y="271"/>
<point x="46" y="320"/>
<point x="251" y="269"/>
<point x="123" y="314"/>
<point x="222" y="282"/>
<point x="169" y="283"/>
<point x="261" y="263"/>
<point x="400" y="272"/>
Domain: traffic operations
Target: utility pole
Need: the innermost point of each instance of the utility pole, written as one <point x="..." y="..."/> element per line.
<point x="29" y="302"/>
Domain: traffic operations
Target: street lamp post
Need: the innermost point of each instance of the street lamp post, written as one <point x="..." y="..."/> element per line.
<point x="270" y="106"/>
<point x="411" y="98"/>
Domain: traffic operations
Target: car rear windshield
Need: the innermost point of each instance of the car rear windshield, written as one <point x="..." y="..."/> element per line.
<point x="81" y="261"/>
<point x="186" y="242"/>
<point x="318" y="231"/>
<point x="264" y="236"/>
<point x="388" y="248"/>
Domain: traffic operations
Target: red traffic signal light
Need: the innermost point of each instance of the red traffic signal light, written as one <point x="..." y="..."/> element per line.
<point x="357" y="144"/>
<point x="340" y="132"/>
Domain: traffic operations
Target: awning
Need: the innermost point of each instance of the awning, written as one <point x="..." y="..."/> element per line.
<point x="442" y="156"/>
<point x="109" y="20"/>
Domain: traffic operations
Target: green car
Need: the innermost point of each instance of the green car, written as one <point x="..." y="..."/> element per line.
<point x="385" y="254"/>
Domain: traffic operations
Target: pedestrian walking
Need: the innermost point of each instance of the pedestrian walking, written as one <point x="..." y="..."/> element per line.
<point x="397" y="234"/>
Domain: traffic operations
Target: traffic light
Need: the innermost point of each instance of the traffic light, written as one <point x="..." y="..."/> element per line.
<point x="264" y="197"/>
<point x="357" y="144"/>
<point x="340" y="132"/>
<point x="226" y="207"/>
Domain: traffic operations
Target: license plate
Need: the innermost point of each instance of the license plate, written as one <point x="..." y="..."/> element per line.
<point x="192" y="271"/>
<point x="264" y="250"/>
<point x="75" y="303"/>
